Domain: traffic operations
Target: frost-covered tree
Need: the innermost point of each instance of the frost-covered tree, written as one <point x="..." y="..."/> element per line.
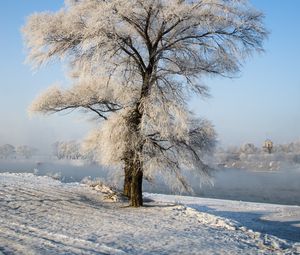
<point x="66" y="150"/>
<point x="7" y="151"/>
<point x="134" y="63"/>
<point x="248" y="148"/>
<point x="25" y="151"/>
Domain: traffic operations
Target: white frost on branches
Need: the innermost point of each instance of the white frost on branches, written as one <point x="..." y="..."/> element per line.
<point x="135" y="63"/>
<point x="111" y="140"/>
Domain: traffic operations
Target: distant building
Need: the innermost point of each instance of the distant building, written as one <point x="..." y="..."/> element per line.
<point x="268" y="145"/>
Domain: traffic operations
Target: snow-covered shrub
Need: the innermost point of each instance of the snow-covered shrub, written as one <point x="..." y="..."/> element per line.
<point x="54" y="175"/>
<point x="110" y="192"/>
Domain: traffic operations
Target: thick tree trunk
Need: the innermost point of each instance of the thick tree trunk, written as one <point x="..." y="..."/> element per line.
<point x="127" y="178"/>
<point x="136" y="166"/>
<point x="136" y="199"/>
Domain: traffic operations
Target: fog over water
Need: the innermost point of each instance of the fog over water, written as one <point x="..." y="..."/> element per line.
<point x="281" y="186"/>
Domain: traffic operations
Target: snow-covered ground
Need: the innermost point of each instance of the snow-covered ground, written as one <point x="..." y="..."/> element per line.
<point x="39" y="215"/>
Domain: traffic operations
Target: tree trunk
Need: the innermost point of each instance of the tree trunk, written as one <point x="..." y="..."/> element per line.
<point x="136" y="198"/>
<point x="127" y="178"/>
<point x="135" y="166"/>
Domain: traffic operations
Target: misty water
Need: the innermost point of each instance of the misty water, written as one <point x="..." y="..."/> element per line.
<point x="281" y="186"/>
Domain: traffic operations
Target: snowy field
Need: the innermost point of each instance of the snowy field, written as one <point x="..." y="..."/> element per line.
<point x="39" y="215"/>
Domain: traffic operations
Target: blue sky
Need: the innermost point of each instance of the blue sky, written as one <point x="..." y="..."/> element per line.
<point x="262" y="102"/>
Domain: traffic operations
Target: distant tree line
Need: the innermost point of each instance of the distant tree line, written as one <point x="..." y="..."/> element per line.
<point x="71" y="150"/>
<point x="61" y="150"/>
<point x="8" y="151"/>
<point x="250" y="156"/>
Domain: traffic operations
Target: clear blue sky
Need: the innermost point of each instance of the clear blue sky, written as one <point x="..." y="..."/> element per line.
<point x="263" y="102"/>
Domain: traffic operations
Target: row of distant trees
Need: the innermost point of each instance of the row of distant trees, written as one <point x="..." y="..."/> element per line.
<point x="68" y="150"/>
<point x="60" y="149"/>
<point x="250" y="156"/>
<point x="71" y="150"/>
<point x="8" y="151"/>
<point x="249" y="148"/>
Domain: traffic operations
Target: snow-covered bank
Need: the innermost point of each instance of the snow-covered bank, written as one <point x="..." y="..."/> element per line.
<point x="39" y="215"/>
